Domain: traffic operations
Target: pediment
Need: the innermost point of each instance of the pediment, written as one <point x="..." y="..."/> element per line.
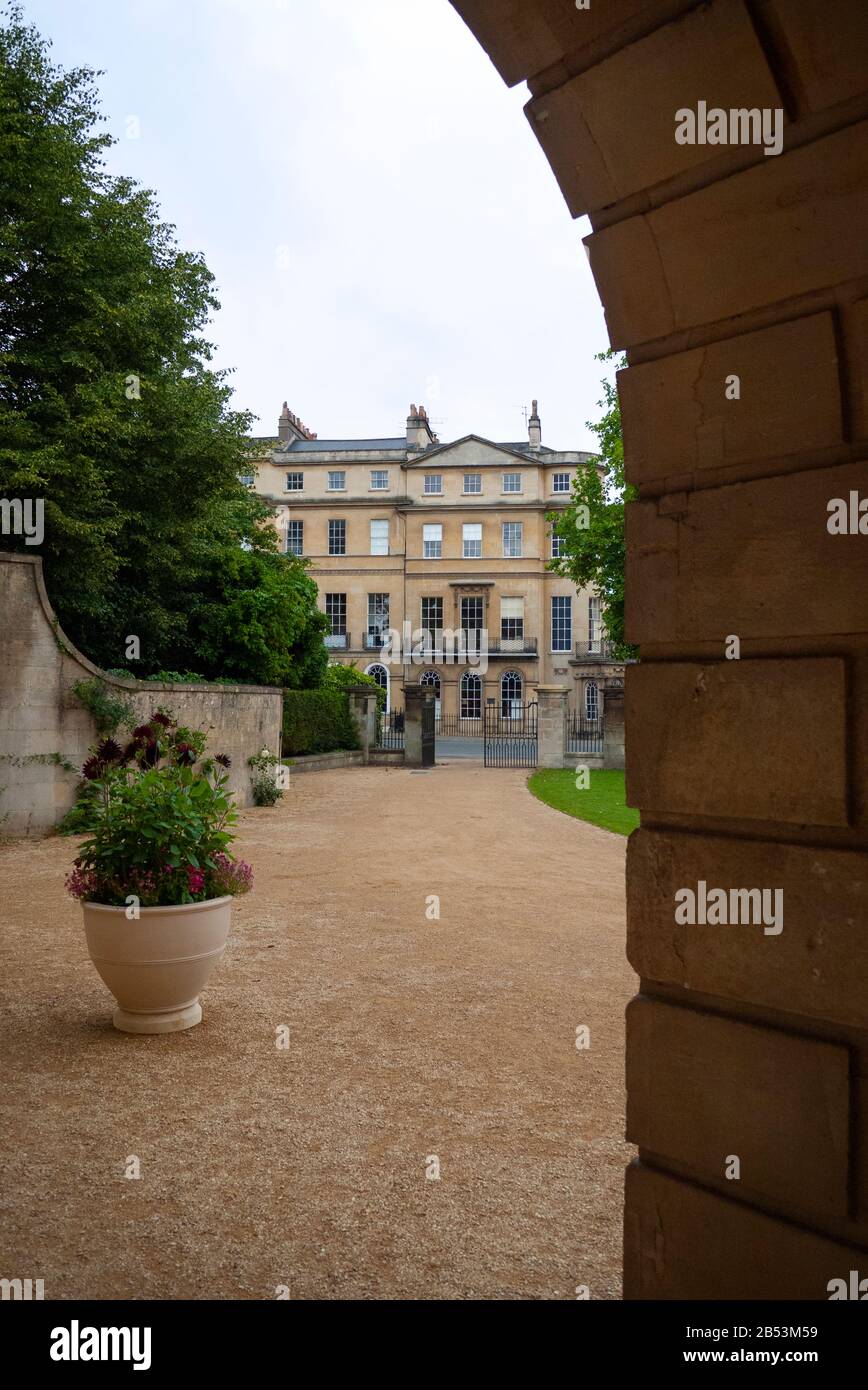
<point x="468" y="453"/>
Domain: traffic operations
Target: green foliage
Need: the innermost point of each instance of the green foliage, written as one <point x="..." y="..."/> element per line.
<point x="603" y="803"/>
<point x="317" y="721"/>
<point x="339" y="677"/>
<point x="109" y="712"/>
<point x="111" y="413"/>
<point x="592" y="526"/>
<point x="160" y="821"/>
<point x="263" y="778"/>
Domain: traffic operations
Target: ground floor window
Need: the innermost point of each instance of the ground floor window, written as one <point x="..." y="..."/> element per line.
<point x="511" y="690"/>
<point x="471" y="696"/>
<point x="592" y="700"/>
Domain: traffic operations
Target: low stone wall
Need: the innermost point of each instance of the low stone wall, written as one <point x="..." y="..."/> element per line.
<point x="43" y="725"/>
<point x="320" y="762"/>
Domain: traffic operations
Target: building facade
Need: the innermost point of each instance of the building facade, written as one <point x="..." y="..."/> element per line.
<point x="444" y="547"/>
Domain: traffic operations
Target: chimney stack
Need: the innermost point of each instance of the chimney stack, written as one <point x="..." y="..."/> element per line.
<point x="419" y="433"/>
<point x="534" y="427"/>
<point x="289" y="427"/>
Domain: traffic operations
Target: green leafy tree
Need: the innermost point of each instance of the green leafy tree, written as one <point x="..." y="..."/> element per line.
<point x="110" y="411"/>
<point x="591" y="527"/>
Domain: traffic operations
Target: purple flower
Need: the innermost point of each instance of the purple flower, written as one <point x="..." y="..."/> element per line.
<point x="223" y="759"/>
<point x="93" y="769"/>
<point x="109" y="751"/>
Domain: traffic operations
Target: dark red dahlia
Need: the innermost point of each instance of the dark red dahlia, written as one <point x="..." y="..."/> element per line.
<point x="185" y="753"/>
<point x="160" y="718"/>
<point x="223" y="759"/>
<point x="150" y="755"/>
<point x="144" y="732"/>
<point x="93" y="769"/>
<point x="109" y="751"/>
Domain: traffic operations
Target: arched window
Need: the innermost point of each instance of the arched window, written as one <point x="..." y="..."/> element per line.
<point x="592" y="701"/>
<point x="381" y="676"/>
<point x="432" y="679"/>
<point x="511" y="688"/>
<point x="471" y="696"/>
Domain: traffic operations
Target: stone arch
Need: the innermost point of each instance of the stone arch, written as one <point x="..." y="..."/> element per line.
<point x="737" y="283"/>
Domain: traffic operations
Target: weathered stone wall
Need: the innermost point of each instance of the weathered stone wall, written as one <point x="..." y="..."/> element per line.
<point x="714" y="262"/>
<point x="40" y="717"/>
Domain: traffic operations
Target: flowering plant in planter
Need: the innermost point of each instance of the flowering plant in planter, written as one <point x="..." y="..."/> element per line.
<point x="155" y="876"/>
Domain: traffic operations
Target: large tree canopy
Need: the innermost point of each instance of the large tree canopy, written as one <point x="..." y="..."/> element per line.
<point x="110" y="413"/>
<point x="591" y="528"/>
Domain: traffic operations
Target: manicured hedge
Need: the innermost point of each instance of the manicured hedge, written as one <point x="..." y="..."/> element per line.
<point x="317" y="721"/>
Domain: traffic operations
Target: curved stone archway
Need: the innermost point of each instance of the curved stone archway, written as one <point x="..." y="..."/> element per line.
<point x="737" y="282"/>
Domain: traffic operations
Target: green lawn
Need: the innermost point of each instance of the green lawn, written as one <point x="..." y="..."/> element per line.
<point x="602" y="803"/>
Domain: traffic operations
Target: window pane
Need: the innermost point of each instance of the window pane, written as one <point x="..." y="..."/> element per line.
<point x="512" y="482"/>
<point x="593" y="624"/>
<point x="557" y="545"/>
<point x="432" y="542"/>
<point x="294" y="482"/>
<point x="336" y="612"/>
<point x="434" y="482"/>
<point x="337" y="481"/>
<point x="432" y="614"/>
<point x="511" y="689"/>
<point x="472" y="540"/>
<point x="379" y="479"/>
<point x="512" y="538"/>
<point x="378" y="618"/>
<point x="471" y="696"/>
<point x="562" y="623"/>
<point x="337" y="538"/>
<point x="472" y="482"/>
<point x="295" y="538"/>
<point x="379" y="537"/>
<point x="561" y="482"/>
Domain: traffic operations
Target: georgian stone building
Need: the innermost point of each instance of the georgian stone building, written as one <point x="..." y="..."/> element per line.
<point x="414" y="536"/>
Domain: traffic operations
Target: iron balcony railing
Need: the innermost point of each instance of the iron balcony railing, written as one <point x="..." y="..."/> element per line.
<point x="601" y="650"/>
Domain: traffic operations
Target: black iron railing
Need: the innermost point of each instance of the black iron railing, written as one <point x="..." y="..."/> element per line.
<point x="456" y="726"/>
<point x="390" y="730"/>
<point x="583" y="735"/>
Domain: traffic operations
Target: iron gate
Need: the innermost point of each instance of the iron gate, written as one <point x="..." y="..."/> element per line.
<point x="510" y="734"/>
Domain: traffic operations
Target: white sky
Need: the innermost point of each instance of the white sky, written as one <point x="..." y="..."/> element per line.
<point x="381" y="221"/>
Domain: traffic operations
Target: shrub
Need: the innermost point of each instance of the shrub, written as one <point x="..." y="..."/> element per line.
<point x="338" y="677"/>
<point x="317" y="721"/>
<point x="160" y="823"/>
<point x="263" y="778"/>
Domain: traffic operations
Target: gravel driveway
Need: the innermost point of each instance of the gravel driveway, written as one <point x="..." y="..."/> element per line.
<point x="414" y="1043"/>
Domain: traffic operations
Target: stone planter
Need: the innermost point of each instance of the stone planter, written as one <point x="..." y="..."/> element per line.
<point x="157" y="966"/>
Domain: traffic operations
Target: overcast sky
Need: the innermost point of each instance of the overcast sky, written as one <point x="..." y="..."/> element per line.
<point x="380" y="219"/>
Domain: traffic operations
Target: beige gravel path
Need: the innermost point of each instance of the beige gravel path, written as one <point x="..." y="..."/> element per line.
<point x="408" y="1038"/>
